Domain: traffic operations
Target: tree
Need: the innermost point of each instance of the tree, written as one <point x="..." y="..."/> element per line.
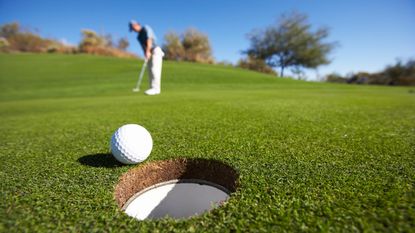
<point x="291" y="43"/>
<point x="123" y="44"/>
<point x="173" y="46"/>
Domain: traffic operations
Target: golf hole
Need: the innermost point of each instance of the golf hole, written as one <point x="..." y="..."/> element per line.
<point x="178" y="188"/>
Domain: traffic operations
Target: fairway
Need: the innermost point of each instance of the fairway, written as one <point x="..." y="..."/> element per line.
<point x="310" y="156"/>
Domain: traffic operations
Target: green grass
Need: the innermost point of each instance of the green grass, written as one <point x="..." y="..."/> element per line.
<point x="311" y="156"/>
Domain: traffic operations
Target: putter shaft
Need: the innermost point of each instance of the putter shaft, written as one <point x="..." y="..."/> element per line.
<point x="143" y="68"/>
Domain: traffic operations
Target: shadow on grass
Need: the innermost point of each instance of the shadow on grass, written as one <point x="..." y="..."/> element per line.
<point x="100" y="160"/>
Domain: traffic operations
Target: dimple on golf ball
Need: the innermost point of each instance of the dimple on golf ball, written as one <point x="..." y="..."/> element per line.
<point x="131" y="144"/>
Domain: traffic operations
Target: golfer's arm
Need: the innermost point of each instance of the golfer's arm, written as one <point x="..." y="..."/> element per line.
<point x="149" y="45"/>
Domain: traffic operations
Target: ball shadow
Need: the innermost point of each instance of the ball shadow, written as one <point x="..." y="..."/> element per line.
<point x="100" y="160"/>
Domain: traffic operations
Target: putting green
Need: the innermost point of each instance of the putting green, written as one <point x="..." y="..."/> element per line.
<point x="310" y="156"/>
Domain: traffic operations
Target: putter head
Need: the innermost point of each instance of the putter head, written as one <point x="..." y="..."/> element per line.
<point x="136" y="90"/>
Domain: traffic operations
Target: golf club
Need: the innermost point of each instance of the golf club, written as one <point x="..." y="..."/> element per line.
<point x="137" y="87"/>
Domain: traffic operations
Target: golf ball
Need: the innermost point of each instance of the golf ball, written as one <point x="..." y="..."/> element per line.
<point x="131" y="144"/>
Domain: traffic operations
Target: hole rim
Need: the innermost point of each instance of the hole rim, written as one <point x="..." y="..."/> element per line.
<point x="148" y="175"/>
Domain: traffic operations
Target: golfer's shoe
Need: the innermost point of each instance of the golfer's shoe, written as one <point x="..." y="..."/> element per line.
<point x="152" y="92"/>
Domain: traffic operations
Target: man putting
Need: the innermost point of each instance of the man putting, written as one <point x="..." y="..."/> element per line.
<point x="152" y="53"/>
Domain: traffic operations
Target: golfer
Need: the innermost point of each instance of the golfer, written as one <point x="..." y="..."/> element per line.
<point x="152" y="53"/>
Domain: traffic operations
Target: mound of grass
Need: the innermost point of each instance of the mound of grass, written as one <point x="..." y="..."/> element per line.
<point x="310" y="156"/>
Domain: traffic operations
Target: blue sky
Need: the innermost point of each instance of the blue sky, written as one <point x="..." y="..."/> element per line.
<point x="371" y="33"/>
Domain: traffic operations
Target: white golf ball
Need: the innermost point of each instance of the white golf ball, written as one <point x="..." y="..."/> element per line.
<point x="131" y="144"/>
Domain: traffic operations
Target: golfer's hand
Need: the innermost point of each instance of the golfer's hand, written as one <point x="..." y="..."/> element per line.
<point x="148" y="55"/>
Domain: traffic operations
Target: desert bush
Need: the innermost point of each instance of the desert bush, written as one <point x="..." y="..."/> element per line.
<point x="259" y="65"/>
<point x="173" y="47"/>
<point x="93" y="43"/>
<point x="13" y="38"/>
<point x="359" y="78"/>
<point x="192" y="45"/>
<point x="4" y="44"/>
<point x="91" y="39"/>
<point x="9" y="29"/>
<point x="398" y="74"/>
<point x="197" y="46"/>
<point x="107" y="51"/>
<point x="401" y="73"/>
<point x="335" y="78"/>
<point x="26" y="41"/>
<point x="59" y="48"/>
<point x="225" y="63"/>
